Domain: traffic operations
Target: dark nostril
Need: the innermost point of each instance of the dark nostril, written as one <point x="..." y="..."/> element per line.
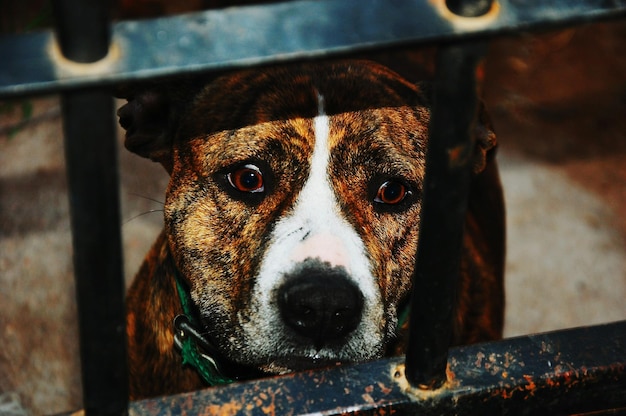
<point x="321" y="307"/>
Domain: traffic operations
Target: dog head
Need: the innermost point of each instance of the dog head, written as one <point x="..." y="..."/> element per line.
<point x="293" y="207"/>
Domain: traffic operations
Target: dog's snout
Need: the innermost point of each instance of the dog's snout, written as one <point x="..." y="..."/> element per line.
<point x="320" y="306"/>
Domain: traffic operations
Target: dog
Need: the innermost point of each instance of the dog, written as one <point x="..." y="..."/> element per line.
<point x="292" y="218"/>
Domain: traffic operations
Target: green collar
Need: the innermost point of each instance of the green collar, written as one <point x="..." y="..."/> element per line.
<point x="403" y="316"/>
<point x="196" y="351"/>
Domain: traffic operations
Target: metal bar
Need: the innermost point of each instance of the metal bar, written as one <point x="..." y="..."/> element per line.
<point x="91" y="160"/>
<point x="446" y="187"/>
<point x="444" y="205"/>
<point x="466" y="8"/>
<point x="91" y="163"/>
<point x="564" y="372"/>
<point x="267" y="34"/>
<point x="83" y="29"/>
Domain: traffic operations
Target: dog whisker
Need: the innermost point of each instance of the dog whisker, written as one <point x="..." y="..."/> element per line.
<point x="147" y="198"/>
<point x="141" y="215"/>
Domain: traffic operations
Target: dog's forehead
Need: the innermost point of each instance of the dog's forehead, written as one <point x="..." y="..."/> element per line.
<point x="251" y="98"/>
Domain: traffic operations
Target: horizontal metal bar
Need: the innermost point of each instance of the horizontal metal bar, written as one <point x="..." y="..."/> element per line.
<point x="252" y="35"/>
<point x="571" y="371"/>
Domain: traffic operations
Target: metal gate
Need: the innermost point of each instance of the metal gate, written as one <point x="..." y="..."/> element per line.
<point x="565" y="372"/>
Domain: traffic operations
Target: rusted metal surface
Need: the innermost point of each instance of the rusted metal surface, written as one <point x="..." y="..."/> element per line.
<point x="254" y="35"/>
<point x="564" y="372"/>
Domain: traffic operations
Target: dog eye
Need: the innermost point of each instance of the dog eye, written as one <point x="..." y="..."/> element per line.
<point x="247" y="178"/>
<point x="391" y="192"/>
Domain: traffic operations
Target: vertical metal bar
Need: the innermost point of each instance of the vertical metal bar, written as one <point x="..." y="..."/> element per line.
<point x="446" y="187"/>
<point x="82" y="28"/>
<point x="91" y="159"/>
<point x="472" y="8"/>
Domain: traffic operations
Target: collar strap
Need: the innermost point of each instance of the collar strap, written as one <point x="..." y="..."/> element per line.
<point x="403" y="316"/>
<point x="196" y="351"/>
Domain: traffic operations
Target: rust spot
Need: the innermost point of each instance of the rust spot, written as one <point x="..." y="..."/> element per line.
<point x="507" y="394"/>
<point x="450" y="376"/>
<point x="508" y="359"/>
<point x="384" y="389"/>
<point x="225" y="409"/>
<point x="531" y="387"/>
<point x="479" y="359"/>
<point x="550" y="382"/>
<point x="368" y="398"/>
<point x="270" y="408"/>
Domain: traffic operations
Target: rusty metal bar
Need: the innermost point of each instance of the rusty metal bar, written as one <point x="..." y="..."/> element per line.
<point x="574" y="371"/>
<point x="271" y="33"/>
<point x="91" y="163"/>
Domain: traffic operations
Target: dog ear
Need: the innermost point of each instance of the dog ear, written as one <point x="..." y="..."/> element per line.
<point x="148" y="120"/>
<point x="485" y="139"/>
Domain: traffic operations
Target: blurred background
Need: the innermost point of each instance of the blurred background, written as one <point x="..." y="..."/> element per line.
<point x="558" y="103"/>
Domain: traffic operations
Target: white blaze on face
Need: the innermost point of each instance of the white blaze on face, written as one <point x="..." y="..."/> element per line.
<point x="316" y="228"/>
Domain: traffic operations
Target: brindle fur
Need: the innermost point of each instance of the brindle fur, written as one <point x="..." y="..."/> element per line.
<point x="379" y="124"/>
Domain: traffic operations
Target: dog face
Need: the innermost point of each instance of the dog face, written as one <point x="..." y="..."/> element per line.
<point x="293" y="209"/>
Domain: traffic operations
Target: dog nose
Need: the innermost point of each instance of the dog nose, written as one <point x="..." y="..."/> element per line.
<point x="321" y="307"/>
